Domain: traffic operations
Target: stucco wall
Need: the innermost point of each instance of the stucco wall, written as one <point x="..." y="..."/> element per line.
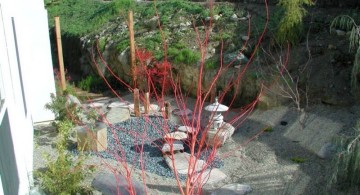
<point x="26" y="83"/>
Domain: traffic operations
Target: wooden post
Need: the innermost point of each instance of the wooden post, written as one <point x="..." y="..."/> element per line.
<point x="136" y="103"/>
<point x="167" y="110"/>
<point x="132" y="49"/>
<point x="147" y="103"/>
<point x="60" y="53"/>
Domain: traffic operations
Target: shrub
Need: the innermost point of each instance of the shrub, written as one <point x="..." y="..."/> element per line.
<point x="60" y="110"/>
<point x="347" y="163"/>
<point x="187" y="56"/>
<point x="210" y="64"/>
<point x="63" y="175"/>
<point x="90" y="83"/>
<point x="290" y="27"/>
<point x="347" y="23"/>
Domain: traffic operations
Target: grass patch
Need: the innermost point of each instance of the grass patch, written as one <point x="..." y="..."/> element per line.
<point x="268" y="129"/>
<point x="298" y="159"/>
<point x="79" y="17"/>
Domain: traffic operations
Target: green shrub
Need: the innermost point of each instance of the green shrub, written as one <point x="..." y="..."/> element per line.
<point x="64" y="127"/>
<point x="347" y="163"/>
<point x="90" y="83"/>
<point x="187" y="56"/>
<point x="122" y="45"/>
<point x="63" y="175"/>
<point x="210" y="64"/>
<point x="291" y="26"/>
<point x="60" y="110"/>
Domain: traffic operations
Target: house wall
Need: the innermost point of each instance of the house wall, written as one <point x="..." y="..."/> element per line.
<point x="26" y="81"/>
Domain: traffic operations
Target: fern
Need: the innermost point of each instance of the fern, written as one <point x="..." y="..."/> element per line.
<point x="347" y="23"/>
<point x="356" y="69"/>
<point x="290" y="27"/>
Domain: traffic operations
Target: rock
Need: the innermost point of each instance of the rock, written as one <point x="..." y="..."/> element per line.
<point x="217" y="17"/>
<point x="179" y="112"/>
<point x="70" y="99"/>
<point x="233" y="189"/>
<point x="243" y="18"/>
<point x="117" y="115"/>
<point x="176" y="144"/>
<point x="176" y="135"/>
<point x="340" y="32"/>
<point x="152" y="23"/>
<point x="36" y="191"/>
<point x="92" y="138"/>
<point x="245" y="38"/>
<point x="96" y="105"/>
<point x="118" y="104"/>
<point x="235" y="58"/>
<point x="186" y="129"/>
<point x="211" y="176"/>
<point x="153" y="108"/>
<point x="218" y="137"/>
<point x="181" y="161"/>
<point x="234" y="17"/>
<point x="214" y="17"/>
<point x="327" y="151"/>
<point x="109" y="184"/>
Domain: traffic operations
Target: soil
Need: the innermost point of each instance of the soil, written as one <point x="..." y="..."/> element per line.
<point x="266" y="161"/>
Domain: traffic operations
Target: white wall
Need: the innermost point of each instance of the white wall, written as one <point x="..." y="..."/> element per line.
<point x="26" y="81"/>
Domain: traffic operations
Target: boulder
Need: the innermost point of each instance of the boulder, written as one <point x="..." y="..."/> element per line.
<point x="181" y="161"/>
<point x="92" y="138"/>
<point x="176" y="135"/>
<point x="186" y="129"/>
<point x="327" y="151"/>
<point x="235" y="58"/>
<point x="217" y="137"/>
<point x="176" y="146"/>
<point x="117" y="115"/>
<point x="109" y="184"/>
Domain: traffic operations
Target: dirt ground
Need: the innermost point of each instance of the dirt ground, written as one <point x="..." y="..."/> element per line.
<point x="265" y="161"/>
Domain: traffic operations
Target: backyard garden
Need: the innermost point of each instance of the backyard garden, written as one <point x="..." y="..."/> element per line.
<point x="182" y="97"/>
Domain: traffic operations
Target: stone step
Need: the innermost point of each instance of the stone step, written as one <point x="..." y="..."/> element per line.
<point x="176" y="146"/>
<point x="181" y="162"/>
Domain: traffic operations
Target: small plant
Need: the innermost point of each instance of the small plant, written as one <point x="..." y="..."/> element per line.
<point x="60" y="110"/>
<point x="64" y="127"/>
<point x="269" y="129"/>
<point x="63" y="175"/>
<point x="297" y="159"/>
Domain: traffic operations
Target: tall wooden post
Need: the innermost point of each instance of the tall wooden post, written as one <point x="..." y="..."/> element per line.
<point x="132" y="49"/>
<point x="147" y="103"/>
<point x="136" y="103"/>
<point x="60" y="53"/>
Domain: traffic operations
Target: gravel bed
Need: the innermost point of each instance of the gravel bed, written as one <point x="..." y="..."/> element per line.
<point x="127" y="139"/>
